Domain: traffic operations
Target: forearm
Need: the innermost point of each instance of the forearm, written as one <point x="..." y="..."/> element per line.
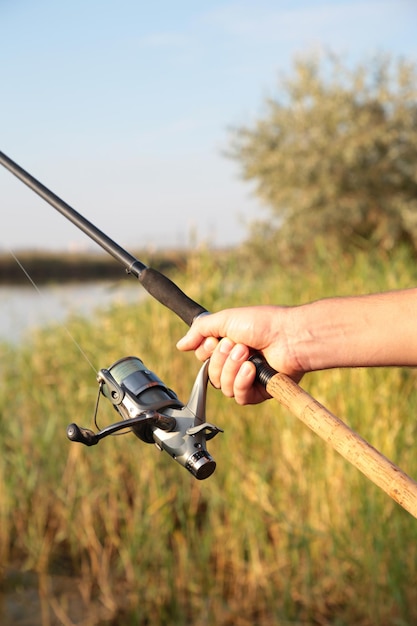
<point x="360" y="331"/>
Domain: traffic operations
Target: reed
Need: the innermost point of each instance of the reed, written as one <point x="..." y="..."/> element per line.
<point x="285" y="531"/>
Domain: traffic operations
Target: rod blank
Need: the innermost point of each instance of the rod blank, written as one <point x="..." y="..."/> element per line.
<point x="155" y="283"/>
<point x="71" y="214"/>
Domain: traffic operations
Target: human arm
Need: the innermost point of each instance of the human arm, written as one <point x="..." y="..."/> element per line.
<point x="357" y="331"/>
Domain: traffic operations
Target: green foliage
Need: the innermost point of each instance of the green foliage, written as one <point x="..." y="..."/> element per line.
<point x="335" y="154"/>
<point x="285" y="531"/>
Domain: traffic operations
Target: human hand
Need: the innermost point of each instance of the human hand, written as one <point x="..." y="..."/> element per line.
<point x="229" y="337"/>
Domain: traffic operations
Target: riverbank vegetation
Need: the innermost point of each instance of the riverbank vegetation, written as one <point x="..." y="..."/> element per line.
<point x="334" y="154"/>
<point x="45" y="267"/>
<point x="284" y="532"/>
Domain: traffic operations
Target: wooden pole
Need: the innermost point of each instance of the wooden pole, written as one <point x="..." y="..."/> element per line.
<point x="344" y="440"/>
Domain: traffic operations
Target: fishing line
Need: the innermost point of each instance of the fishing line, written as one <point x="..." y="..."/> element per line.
<point x="30" y="279"/>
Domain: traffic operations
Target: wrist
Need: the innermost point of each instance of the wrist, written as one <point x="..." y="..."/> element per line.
<point x="326" y="336"/>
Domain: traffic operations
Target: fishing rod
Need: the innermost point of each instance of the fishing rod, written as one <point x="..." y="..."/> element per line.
<point x="156" y="415"/>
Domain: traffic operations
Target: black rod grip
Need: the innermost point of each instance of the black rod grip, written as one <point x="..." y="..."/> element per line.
<point x="264" y="372"/>
<point x="171" y="296"/>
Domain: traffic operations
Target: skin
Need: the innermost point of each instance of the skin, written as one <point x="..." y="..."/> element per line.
<point x="375" y="330"/>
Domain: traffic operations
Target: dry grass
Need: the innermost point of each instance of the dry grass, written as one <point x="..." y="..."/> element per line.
<point x="284" y="532"/>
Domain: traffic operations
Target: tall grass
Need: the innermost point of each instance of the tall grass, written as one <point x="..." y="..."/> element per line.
<point x="284" y="532"/>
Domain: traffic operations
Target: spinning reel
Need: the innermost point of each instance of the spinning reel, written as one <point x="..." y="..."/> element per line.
<point x="155" y="414"/>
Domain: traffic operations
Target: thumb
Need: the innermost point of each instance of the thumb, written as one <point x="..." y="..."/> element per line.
<point x="206" y="326"/>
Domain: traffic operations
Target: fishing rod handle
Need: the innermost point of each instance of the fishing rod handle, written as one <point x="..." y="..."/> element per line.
<point x="170" y="295"/>
<point x="374" y="465"/>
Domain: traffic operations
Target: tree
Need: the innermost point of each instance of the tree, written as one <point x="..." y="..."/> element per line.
<point x="336" y="155"/>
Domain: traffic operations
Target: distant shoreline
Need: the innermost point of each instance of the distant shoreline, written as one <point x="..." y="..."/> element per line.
<point x="50" y="267"/>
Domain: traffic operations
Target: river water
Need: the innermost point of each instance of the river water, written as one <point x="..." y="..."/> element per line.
<point x="23" y="308"/>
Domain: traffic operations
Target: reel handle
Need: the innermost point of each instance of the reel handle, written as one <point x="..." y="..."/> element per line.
<point x="82" y="435"/>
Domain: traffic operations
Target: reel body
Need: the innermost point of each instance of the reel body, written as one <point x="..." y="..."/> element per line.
<point x="154" y="413"/>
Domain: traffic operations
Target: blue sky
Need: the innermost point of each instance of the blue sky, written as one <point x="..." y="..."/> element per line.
<point x="123" y="108"/>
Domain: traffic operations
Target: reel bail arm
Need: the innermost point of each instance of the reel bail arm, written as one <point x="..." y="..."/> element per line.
<point x="90" y="438"/>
